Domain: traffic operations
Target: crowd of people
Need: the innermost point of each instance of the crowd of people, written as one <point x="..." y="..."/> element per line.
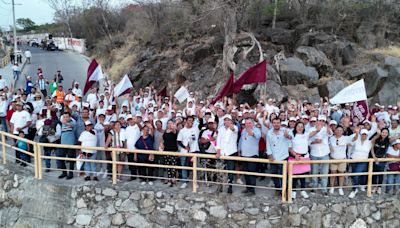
<point x="54" y="113"/>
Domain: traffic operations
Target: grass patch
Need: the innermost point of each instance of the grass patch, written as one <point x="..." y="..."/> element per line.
<point x="390" y="50"/>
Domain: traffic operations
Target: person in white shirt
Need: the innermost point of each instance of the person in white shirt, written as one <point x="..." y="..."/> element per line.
<point x="76" y="90"/>
<point x="92" y="99"/>
<point x="133" y="133"/>
<point x="227" y="145"/>
<point x="88" y="138"/>
<point x="188" y="143"/>
<point x="338" y="147"/>
<point x="361" y="149"/>
<point x="99" y="127"/>
<point x="393" y="179"/>
<point x="28" y="56"/>
<point x="3" y="112"/>
<point x="320" y="151"/>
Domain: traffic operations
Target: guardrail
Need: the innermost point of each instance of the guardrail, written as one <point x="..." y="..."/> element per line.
<point x="6" y="59"/>
<point x="286" y="176"/>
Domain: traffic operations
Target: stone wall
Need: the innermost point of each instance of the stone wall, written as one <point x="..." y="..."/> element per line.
<point x="24" y="205"/>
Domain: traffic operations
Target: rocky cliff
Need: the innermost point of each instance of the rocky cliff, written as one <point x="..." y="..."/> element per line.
<point x="27" y="202"/>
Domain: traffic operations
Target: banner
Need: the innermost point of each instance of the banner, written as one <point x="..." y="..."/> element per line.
<point x="123" y="87"/>
<point x="352" y="93"/>
<point x="361" y="110"/>
<point x="182" y="94"/>
<point x="94" y="74"/>
<point x="255" y="74"/>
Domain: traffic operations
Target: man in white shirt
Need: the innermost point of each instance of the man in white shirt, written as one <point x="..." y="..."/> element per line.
<point x="28" y="56"/>
<point x="133" y="135"/>
<point x="92" y="99"/>
<point x="20" y="121"/>
<point x="188" y="143"/>
<point x="320" y="151"/>
<point x="227" y="145"/>
<point x="88" y="138"/>
<point x="3" y="112"/>
<point x="76" y="90"/>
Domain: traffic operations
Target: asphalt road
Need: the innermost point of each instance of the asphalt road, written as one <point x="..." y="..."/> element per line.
<point x="73" y="66"/>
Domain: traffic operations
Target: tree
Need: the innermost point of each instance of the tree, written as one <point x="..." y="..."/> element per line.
<point x="26" y="23"/>
<point x="63" y="10"/>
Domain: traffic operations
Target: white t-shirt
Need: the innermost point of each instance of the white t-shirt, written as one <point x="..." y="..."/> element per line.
<point x="300" y="143"/>
<point x="3" y="83"/>
<point x="206" y="135"/>
<point x="339" y="146"/>
<point x="393" y="152"/>
<point x="88" y="139"/>
<point x="133" y="135"/>
<point x="92" y="100"/>
<point x="361" y="150"/>
<point x="189" y="136"/>
<point x="320" y="149"/>
<point x="19" y="119"/>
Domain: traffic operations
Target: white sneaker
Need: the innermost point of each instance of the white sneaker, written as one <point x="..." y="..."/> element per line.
<point x="184" y="185"/>
<point x="353" y="194"/>
<point x="294" y="195"/>
<point x="362" y="188"/>
<point x="239" y="181"/>
<point x="374" y="189"/>
<point x="332" y="191"/>
<point x="150" y="182"/>
<point x="341" y="192"/>
<point x="379" y="191"/>
<point x="304" y="194"/>
<point x="105" y="174"/>
<point x="143" y="183"/>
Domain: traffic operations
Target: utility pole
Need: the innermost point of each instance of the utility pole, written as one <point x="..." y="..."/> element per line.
<point x="15" y="31"/>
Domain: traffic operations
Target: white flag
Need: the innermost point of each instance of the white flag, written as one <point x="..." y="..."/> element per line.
<point x="352" y="93"/>
<point x="123" y="87"/>
<point x="182" y="94"/>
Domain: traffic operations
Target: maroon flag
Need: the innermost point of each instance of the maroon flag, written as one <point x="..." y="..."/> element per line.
<point x="163" y="92"/>
<point x="226" y="90"/>
<point x="360" y="109"/>
<point x="94" y="74"/>
<point x="254" y="74"/>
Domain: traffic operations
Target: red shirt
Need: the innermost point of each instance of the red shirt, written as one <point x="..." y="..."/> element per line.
<point x="9" y="114"/>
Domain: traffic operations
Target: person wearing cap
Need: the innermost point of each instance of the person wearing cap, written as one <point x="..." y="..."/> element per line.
<point x="68" y="137"/>
<point x="361" y="150"/>
<point x="278" y="142"/>
<point x="188" y="143"/>
<point x="393" y="180"/>
<point x="227" y="145"/>
<point x="133" y="133"/>
<point x="76" y="90"/>
<point x="333" y="125"/>
<point x="319" y="150"/>
<point x="88" y="138"/>
<point x="42" y="83"/>
<point x="248" y="147"/>
<point x="20" y="121"/>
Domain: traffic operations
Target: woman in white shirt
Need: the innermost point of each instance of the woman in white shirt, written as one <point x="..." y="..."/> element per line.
<point x="361" y="149"/>
<point x="338" y="147"/>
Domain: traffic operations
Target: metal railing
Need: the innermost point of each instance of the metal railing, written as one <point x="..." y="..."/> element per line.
<point x="6" y="59"/>
<point x="286" y="176"/>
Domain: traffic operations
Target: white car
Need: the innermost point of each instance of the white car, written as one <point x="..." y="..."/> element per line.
<point x="34" y="43"/>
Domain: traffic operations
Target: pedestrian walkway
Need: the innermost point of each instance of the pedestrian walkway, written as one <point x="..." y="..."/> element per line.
<point x="7" y="72"/>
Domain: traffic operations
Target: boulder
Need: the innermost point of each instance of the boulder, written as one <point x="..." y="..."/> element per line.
<point x="137" y="220"/>
<point x="374" y="80"/>
<point x="330" y="88"/>
<point x="313" y="57"/>
<point x="280" y="35"/>
<point x="302" y="92"/>
<point x="389" y="94"/>
<point x="370" y="34"/>
<point x="356" y="72"/>
<point x="339" y="52"/>
<point x="196" y="53"/>
<point x="273" y="90"/>
<point x="391" y="61"/>
<point x="293" y="72"/>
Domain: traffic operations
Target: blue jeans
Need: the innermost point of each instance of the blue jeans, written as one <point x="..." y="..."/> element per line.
<point x="359" y="168"/>
<point x="3" y="124"/>
<point x="230" y="165"/>
<point x="320" y="169"/>
<point x="184" y="163"/>
<point x="393" y="179"/>
<point x="90" y="166"/>
<point x="276" y="169"/>
<point x="16" y="75"/>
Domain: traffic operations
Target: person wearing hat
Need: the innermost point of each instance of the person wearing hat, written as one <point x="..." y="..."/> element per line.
<point x="393" y="179"/>
<point x="188" y="143"/>
<point x="227" y="145"/>
<point x="20" y="121"/>
<point x="68" y="137"/>
<point x="333" y="125"/>
<point x="88" y="138"/>
<point x="319" y="150"/>
<point x="361" y="150"/>
<point x="42" y="83"/>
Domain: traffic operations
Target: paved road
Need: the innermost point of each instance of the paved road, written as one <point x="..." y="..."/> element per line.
<point x="73" y="66"/>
